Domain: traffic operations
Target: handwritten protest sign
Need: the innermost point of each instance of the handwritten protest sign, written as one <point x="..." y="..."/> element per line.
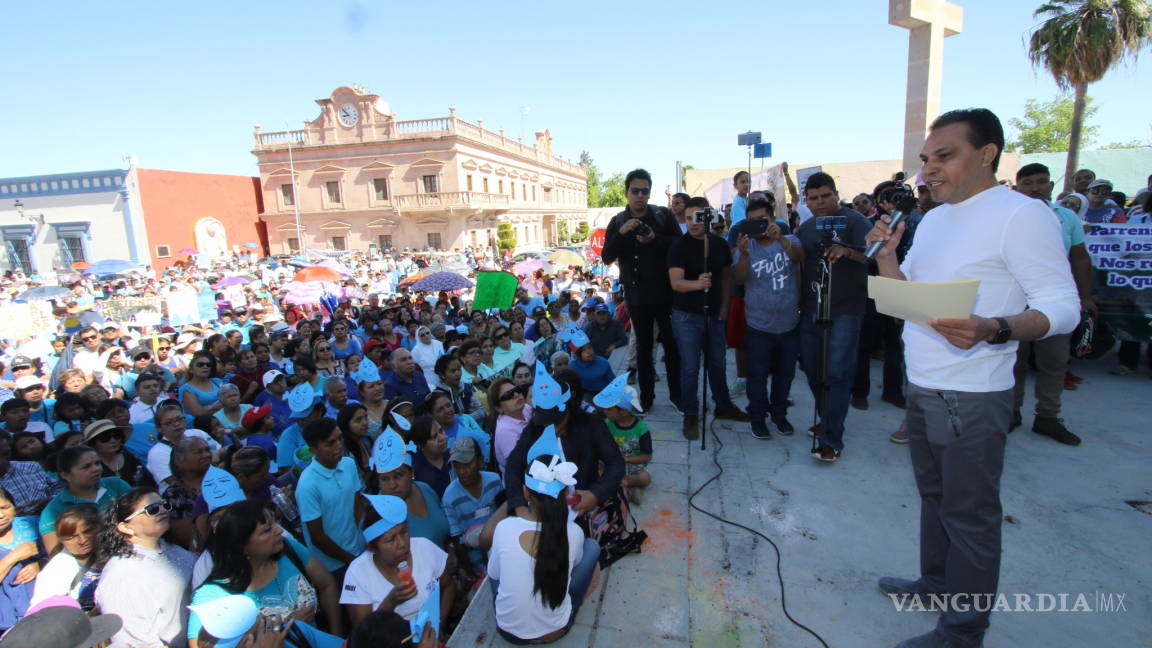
<point x="19" y="320"/>
<point x="142" y="311"/>
<point x="1122" y="256"/>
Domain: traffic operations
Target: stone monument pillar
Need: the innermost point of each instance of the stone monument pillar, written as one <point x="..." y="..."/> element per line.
<point x="928" y="23"/>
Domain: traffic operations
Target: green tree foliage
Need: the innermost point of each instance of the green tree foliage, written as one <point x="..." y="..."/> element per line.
<point x="581" y="234"/>
<point x="562" y="232"/>
<point x="1047" y="126"/>
<point x="1078" y="42"/>
<point x="1132" y="144"/>
<point x="505" y="237"/>
<point x="602" y="192"/>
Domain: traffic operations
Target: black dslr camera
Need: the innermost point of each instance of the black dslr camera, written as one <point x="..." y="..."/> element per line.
<point x="901" y="196"/>
<point x="703" y="216"/>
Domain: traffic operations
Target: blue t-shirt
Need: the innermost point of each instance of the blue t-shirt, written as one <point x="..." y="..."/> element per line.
<point x="206" y="399"/>
<point x="739" y="209"/>
<point x="434" y="525"/>
<point x="595" y="375"/>
<point x="23" y="530"/>
<point x="464" y="511"/>
<point x="1102" y="215"/>
<point x="281" y="411"/>
<point x="329" y="495"/>
<point x="771" y="297"/>
<point x="1071" y="229"/>
<point x="288" y="447"/>
<point x="288" y="592"/>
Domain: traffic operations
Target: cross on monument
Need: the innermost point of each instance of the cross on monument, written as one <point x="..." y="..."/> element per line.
<point x="928" y="23"/>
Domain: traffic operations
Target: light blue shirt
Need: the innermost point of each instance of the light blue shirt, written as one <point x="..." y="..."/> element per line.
<point x="1071" y="228"/>
<point x="329" y="495"/>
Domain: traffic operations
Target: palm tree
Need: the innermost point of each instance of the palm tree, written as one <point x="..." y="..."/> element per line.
<point x="1079" y="41"/>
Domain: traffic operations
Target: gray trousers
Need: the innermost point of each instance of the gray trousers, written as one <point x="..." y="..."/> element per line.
<point x="957" y="443"/>
<point x="1051" y="365"/>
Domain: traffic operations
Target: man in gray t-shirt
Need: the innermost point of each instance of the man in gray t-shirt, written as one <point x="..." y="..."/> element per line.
<point x="767" y="264"/>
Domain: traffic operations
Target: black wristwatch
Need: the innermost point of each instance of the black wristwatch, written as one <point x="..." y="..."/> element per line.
<point x="1004" y="334"/>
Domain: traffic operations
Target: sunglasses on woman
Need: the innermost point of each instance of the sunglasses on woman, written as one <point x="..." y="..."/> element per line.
<point x="105" y="437"/>
<point x="152" y="510"/>
<point x="509" y="395"/>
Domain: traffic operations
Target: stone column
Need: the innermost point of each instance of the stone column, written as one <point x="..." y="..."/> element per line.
<point x="928" y="23"/>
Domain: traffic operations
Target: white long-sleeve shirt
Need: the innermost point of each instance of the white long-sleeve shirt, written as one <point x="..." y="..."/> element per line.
<point x="1013" y="246"/>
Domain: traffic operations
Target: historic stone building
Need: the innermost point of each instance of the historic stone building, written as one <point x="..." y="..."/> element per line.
<point x="357" y="178"/>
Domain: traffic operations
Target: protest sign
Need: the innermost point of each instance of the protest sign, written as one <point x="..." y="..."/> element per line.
<point x="25" y="320"/>
<point x="141" y="311"/>
<point x="183" y="307"/>
<point x="1122" y="257"/>
<point x="494" y="290"/>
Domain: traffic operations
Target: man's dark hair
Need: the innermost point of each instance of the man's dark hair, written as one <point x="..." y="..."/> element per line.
<point x="758" y="203"/>
<point x="636" y="174"/>
<point x="984" y="128"/>
<point x="699" y="202"/>
<point x="817" y="181"/>
<point x="682" y="196"/>
<point x="1032" y="169"/>
<point x="318" y="431"/>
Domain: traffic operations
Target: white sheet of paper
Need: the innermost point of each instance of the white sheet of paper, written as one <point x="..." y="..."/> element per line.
<point x="919" y="301"/>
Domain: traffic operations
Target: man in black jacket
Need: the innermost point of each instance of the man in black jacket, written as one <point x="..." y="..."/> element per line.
<point x="638" y="239"/>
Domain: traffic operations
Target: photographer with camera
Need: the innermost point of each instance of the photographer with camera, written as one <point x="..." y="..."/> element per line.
<point x="834" y="271"/>
<point x="768" y="270"/>
<point x="638" y="239"/>
<point x="698" y="267"/>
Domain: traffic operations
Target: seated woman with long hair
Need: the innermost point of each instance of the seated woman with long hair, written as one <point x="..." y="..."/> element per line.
<point x="540" y="564"/>
<point x="80" y="469"/>
<point x="145" y="581"/>
<point x="75" y="570"/>
<point x="396" y="571"/>
<point x="19" y="553"/>
<point x="251" y="556"/>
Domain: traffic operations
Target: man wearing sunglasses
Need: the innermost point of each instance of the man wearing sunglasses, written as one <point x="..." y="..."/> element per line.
<point x="638" y="240"/>
<point x="87" y="358"/>
<point x="1100" y="208"/>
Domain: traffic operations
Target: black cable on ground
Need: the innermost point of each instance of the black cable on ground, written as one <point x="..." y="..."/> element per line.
<point x="717" y="446"/>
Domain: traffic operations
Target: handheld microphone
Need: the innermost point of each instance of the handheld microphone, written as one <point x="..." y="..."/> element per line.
<point x="904" y="206"/>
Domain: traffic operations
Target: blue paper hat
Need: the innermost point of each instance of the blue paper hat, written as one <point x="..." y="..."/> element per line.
<point x="227" y="618"/>
<point x="462" y="329"/>
<point x="617" y="394"/>
<point x="220" y="489"/>
<point x="390" y="452"/>
<point x="367" y="372"/>
<point x="551" y="478"/>
<point x="546" y="392"/>
<point x="302" y="399"/>
<point x="392" y="511"/>
<point x="429" y="612"/>
<point x="546" y="444"/>
<point x="577" y="338"/>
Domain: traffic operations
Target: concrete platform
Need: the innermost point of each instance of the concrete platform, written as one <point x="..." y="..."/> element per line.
<point x="1068" y="529"/>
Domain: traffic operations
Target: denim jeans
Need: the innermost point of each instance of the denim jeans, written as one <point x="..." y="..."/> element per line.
<point x="844" y="338"/>
<point x="578" y="584"/>
<point x="773" y="353"/>
<point x="689" y="330"/>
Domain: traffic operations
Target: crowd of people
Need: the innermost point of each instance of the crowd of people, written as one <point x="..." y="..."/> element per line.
<point x="353" y="467"/>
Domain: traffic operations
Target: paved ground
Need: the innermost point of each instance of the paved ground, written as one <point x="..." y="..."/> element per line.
<point x="1068" y="529"/>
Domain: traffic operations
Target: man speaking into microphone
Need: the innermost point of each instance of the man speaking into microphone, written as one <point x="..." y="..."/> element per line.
<point x="960" y="370"/>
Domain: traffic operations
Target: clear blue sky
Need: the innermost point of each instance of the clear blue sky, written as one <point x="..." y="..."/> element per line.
<point x="180" y="85"/>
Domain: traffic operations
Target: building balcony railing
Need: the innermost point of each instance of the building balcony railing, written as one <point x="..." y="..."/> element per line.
<point x="417" y="129"/>
<point x="445" y="199"/>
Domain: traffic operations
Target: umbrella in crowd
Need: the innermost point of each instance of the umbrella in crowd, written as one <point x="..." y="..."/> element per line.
<point x="318" y="273"/>
<point x="111" y="266"/>
<point x="45" y="293"/>
<point x="233" y="281"/>
<point x="567" y="258"/>
<point x="333" y="264"/>
<point x="189" y="251"/>
<point x="80" y="265"/>
<point x="252" y="246"/>
<point x="438" y="281"/>
<point x="305" y="293"/>
<point x="527" y="266"/>
<point x="409" y="280"/>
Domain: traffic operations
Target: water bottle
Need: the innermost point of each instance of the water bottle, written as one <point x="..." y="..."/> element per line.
<point x="283" y="501"/>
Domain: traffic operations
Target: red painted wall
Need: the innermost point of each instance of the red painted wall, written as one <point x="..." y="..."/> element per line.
<point x="174" y="201"/>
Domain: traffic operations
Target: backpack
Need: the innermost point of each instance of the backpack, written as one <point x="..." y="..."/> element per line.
<point x="608" y="526"/>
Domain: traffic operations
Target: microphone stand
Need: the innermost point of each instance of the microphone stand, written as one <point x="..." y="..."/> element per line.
<point x="704" y="390"/>
<point x="823" y="289"/>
